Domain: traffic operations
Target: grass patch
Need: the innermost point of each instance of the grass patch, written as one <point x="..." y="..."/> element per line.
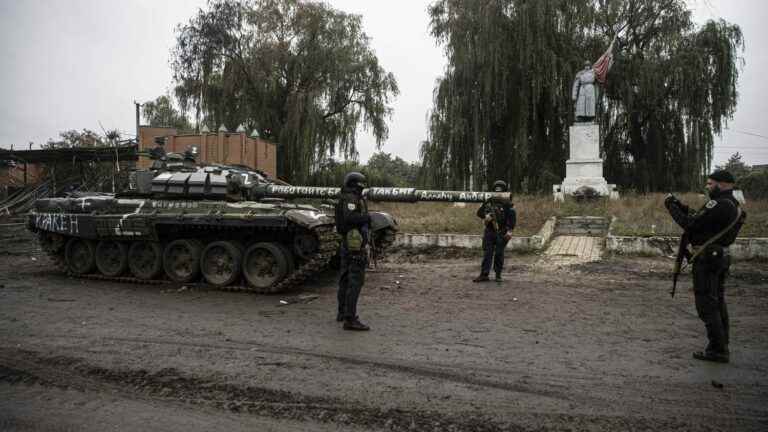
<point x="638" y="215"/>
<point x="433" y="217"/>
<point x="645" y="215"/>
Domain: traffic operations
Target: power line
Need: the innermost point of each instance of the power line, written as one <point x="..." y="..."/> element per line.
<point x="748" y="133"/>
<point x="742" y="153"/>
<point x="740" y="150"/>
<point x="710" y="8"/>
<point x="743" y="147"/>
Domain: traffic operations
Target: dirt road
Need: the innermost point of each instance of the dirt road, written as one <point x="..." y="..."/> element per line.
<point x="597" y="346"/>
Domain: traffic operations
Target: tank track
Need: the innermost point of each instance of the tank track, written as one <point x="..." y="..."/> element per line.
<point x="328" y="245"/>
<point x="53" y="247"/>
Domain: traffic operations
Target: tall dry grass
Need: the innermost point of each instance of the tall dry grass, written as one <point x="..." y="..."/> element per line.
<point x="431" y="217"/>
<point x="637" y="215"/>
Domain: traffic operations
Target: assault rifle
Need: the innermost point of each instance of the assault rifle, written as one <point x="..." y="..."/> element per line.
<point x="493" y="213"/>
<point x="682" y="253"/>
<point x="372" y="252"/>
<point x="495" y="218"/>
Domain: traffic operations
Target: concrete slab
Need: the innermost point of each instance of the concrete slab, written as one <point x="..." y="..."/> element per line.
<point x="566" y="250"/>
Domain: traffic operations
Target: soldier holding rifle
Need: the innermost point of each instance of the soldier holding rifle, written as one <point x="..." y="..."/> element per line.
<point x="708" y="233"/>
<point x="499" y="218"/>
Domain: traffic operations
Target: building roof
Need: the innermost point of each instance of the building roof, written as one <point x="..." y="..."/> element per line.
<point x="124" y="152"/>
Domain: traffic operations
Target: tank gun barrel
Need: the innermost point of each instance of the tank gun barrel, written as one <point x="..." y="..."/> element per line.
<point x="376" y="194"/>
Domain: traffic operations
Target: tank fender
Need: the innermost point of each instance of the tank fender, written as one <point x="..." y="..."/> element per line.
<point x="381" y="220"/>
<point x="308" y="218"/>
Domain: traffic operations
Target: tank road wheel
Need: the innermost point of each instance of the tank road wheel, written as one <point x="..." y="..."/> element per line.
<point x="145" y="259"/>
<point x="384" y="239"/>
<point x="221" y="262"/>
<point x="288" y="258"/>
<point x="305" y="244"/>
<point x="181" y="260"/>
<point x="79" y="255"/>
<point x="111" y="257"/>
<point x="264" y="265"/>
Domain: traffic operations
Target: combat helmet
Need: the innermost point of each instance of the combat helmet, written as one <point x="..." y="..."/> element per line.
<point x="354" y="180"/>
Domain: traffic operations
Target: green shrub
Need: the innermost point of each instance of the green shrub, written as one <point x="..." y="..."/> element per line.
<point x="755" y="185"/>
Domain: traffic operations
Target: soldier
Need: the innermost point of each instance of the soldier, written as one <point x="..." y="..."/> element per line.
<point x="158" y="151"/>
<point x="711" y="230"/>
<point x="352" y="222"/>
<point x="500" y="219"/>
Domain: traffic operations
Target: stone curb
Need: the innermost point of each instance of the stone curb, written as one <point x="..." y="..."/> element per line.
<point x="742" y="248"/>
<point x="472" y="241"/>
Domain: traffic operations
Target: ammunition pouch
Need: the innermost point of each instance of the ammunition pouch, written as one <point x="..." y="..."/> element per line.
<point x="354" y="241"/>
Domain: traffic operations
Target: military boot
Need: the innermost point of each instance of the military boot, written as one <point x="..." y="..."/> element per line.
<point x="498" y="278"/>
<point x="481" y="278"/>
<point x="712" y="356"/>
<point x="356" y="325"/>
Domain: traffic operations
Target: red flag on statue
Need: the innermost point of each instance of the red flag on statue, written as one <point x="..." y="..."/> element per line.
<point x="604" y="63"/>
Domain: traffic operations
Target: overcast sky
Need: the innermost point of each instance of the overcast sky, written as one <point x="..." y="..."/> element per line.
<point x="72" y="64"/>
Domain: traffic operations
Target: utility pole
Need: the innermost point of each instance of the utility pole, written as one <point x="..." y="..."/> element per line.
<point x="138" y="111"/>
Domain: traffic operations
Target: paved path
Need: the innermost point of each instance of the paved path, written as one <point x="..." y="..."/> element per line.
<point x="567" y="250"/>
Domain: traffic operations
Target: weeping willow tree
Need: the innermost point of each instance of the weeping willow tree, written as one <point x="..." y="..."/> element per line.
<point x="301" y="73"/>
<point x="671" y="93"/>
<point x="503" y="107"/>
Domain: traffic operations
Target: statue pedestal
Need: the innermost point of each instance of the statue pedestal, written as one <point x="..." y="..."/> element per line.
<point x="584" y="168"/>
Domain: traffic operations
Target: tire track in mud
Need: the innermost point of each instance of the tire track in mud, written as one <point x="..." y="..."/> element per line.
<point x="444" y="373"/>
<point x="18" y="367"/>
<point x="573" y="388"/>
<point x="170" y="385"/>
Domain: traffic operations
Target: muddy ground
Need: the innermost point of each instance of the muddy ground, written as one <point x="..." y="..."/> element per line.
<point x="598" y="346"/>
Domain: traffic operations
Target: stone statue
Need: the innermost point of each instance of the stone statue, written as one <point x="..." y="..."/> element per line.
<point x="584" y="94"/>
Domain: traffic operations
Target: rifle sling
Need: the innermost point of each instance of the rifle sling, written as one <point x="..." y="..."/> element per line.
<point x="717" y="236"/>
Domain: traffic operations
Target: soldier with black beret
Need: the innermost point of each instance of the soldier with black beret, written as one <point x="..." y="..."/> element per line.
<point x="711" y="230"/>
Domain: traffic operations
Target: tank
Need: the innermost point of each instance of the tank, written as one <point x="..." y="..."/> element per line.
<point x="228" y="226"/>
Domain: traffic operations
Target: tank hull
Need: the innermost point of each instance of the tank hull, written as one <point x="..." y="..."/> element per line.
<point x="283" y="241"/>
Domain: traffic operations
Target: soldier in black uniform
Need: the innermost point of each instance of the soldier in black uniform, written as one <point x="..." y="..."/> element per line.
<point x="353" y="223"/>
<point x="500" y="219"/>
<point x="711" y="230"/>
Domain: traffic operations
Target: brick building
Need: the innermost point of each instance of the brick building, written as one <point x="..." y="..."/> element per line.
<point x="214" y="147"/>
